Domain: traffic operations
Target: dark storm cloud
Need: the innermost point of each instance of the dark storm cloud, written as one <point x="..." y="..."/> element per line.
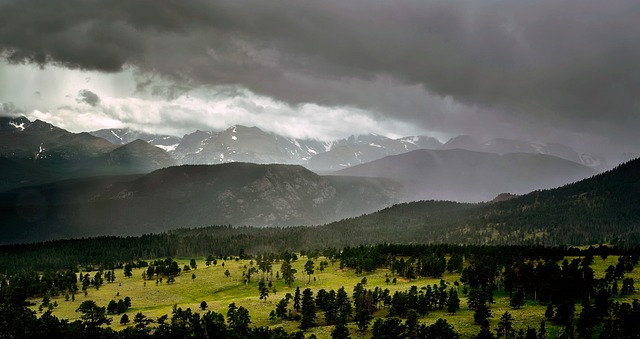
<point x="568" y="64"/>
<point x="88" y="97"/>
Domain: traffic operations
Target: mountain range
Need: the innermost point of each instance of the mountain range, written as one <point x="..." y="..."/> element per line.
<point x="59" y="184"/>
<point x="251" y="144"/>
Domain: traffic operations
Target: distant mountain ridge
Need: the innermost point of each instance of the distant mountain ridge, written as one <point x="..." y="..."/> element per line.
<point x="251" y="144"/>
<point x="188" y="195"/>
<point x="462" y="175"/>
<point x="35" y="152"/>
<point x="122" y="136"/>
<point x="361" y="149"/>
<point x="505" y="146"/>
<point x="245" y="144"/>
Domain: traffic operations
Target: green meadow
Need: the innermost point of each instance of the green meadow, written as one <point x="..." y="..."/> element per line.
<point x="218" y="290"/>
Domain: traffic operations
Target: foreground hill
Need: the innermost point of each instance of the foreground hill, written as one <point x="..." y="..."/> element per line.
<point x="604" y="208"/>
<point x="36" y="152"/>
<point x="462" y="175"/>
<point x="235" y="193"/>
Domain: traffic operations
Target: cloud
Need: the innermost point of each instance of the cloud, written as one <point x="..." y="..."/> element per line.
<point x="88" y="97"/>
<point x="186" y="114"/>
<point x="9" y="109"/>
<point x="466" y="65"/>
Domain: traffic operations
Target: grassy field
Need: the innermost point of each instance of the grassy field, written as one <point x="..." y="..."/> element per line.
<point x="212" y="286"/>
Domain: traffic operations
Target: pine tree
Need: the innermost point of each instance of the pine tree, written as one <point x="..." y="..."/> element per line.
<point x="288" y="273"/>
<point x="505" y="325"/>
<point x="124" y="320"/>
<point x="308" y="310"/>
<point x="482" y="313"/>
<point x="453" y="302"/>
<point x="340" y="331"/>
<point x="296" y="300"/>
<point x="281" y="308"/>
<point x="262" y="288"/>
<point x="308" y="268"/>
<point x="518" y="299"/>
<point x="364" y="309"/>
<point x="548" y="313"/>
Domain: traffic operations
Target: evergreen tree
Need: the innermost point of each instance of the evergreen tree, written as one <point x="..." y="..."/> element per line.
<point x="112" y="307"/>
<point x="586" y="321"/>
<point x="308" y="310"/>
<point x="124" y="320"/>
<point x="548" y="313"/>
<point x="93" y="316"/>
<point x="288" y="273"/>
<point x="281" y="308"/>
<point x="482" y="313"/>
<point x="127" y="270"/>
<point x="412" y="323"/>
<point x="308" y="268"/>
<point x="505" y="325"/>
<point x="518" y="299"/>
<point x="238" y="319"/>
<point x="542" y="330"/>
<point x="627" y="286"/>
<point x="453" y="302"/>
<point x="262" y="288"/>
<point x="363" y="309"/>
<point x="296" y="300"/>
<point x="203" y="305"/>
<point x="340" y="331"/>
<point x="389" y="328"/>
<point x="564" y="313"/>
<point x="141" y="322"/>
<point x="343" y="304"/>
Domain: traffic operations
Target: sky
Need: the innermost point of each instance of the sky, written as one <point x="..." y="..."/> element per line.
<point x="547" y="70"/>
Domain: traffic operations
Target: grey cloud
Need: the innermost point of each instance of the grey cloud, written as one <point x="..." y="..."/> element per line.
<point x="547" y="64"/>
<point x="88" y="97"/>
<point x="9" y="109"/>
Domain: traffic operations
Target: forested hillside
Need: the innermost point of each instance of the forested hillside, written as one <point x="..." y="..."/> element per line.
<point x="602" y="209"/>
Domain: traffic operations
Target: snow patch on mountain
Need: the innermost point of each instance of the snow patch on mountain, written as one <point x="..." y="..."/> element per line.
<point x="19" y="126"/>
<point x="168" y="148"/>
